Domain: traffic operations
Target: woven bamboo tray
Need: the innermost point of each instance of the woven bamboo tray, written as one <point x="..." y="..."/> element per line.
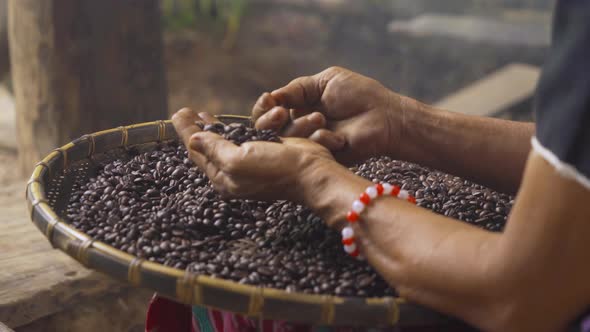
<point x="48" y="192"/>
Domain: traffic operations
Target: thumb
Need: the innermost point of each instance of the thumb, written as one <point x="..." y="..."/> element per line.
<point x="214" y="148"/>
<point x="306" y="92"/>
<point x="184" y="124"/>
<point x="302" y="93"/>
<point x="329" y="139"/>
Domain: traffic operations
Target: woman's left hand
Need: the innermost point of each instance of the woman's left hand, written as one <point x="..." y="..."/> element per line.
<point x="254" y="170"/>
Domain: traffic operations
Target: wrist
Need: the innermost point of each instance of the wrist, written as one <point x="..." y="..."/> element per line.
<point x="404" y="114"/>
<point x="329" y="189"/>
<point x="417" y="125"/>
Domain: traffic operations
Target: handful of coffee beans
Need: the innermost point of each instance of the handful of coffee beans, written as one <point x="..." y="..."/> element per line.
<point x="158" y="206"/>
<point x="238" y="133"/>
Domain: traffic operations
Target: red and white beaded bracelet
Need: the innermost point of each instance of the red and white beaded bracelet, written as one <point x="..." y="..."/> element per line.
<point x="359" y="205"/>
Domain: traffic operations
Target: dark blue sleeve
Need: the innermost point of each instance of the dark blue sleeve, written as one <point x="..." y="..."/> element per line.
<point x="562" y="103"/>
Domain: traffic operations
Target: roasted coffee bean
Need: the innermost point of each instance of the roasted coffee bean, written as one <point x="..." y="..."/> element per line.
<point x="159" y="206"/>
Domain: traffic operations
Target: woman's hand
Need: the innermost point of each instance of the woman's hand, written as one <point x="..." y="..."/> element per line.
<point x="254" y="170"/>
<point x="352" y="115"/>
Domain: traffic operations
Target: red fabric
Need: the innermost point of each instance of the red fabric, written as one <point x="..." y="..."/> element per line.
<point x="216" y="320"/>
<point x="168" y="316"/>
<point x="164" y="315"/>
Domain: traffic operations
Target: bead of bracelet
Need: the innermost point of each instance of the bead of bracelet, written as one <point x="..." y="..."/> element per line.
<point x="359" y="205"/>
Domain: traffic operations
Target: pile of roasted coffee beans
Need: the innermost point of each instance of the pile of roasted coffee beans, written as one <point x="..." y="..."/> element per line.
<point x="239" y="133"/>
<point x="442" y="193"/>
<point x="158" y="206"/>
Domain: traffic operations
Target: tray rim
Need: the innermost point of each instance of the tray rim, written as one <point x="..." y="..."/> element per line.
<point x="191" y="288"/>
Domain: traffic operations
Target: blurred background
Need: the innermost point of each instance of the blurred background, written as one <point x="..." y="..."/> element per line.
<point x="220" y="55"/>
<point x="79" y="66"/>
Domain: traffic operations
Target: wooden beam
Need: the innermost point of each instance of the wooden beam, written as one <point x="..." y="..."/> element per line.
<point x="4" y="328"/>
<point x="501" y="90"/>
<point x="480" y="29"/>
<point x="4" y="59"/>
<point x="125" y="311"/>
<point x="37" y="280"/>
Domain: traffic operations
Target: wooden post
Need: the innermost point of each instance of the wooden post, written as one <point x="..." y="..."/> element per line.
<point x="79" y="66"/>
<point x="4" y="63"/>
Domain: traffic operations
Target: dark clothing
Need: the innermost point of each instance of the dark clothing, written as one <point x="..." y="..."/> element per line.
<point x="562" y="102"/>
<point x="563" y="94"/>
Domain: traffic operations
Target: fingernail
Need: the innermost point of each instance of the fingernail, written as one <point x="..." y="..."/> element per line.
<point x="194" y="140"/>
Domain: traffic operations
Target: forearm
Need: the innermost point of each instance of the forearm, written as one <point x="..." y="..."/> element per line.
<point x="429" y="258"/>
<point x="489" y="151"/>
<point x="491" y="280"/>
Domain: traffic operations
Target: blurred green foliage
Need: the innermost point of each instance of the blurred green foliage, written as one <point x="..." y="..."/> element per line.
<point x="211" y="15"/>
<point x="178" y="14"/>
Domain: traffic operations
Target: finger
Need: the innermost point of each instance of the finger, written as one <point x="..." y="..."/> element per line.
<point x="329" y="139"/>
<point x="306" y="92"/>
<point x="208" y="118"/>
<point x="303" y="93"/>
<point x="184" y="122"/>
<point x="296" y="113"/>
<point x="200" y="161"/>
<point x="305" y="126"/>
<point x="222" y="183"/>
<point x="263" y="105"/>
<point x="215" y="149"/>
<point x="275" y="119"/>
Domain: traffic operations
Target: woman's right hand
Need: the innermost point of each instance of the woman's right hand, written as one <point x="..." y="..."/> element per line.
<point x="354" y="116"/>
